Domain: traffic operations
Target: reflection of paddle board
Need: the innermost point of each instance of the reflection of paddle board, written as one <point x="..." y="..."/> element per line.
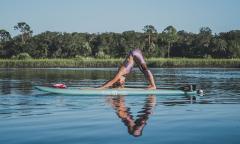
<point x="123" y="91"/>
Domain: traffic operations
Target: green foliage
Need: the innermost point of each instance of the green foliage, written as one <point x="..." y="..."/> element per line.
<point x="168" y="43"/>
<point x="151" y="34"/>
<point x="4" y="35"/>
<point x="93" y="62"/>
<point x="25" y="30"/>
<point x="79" y="57"/>
<point x="169" y="36"/>
<point x="23" y="27"/>
<point x="22" y="56"/>
<point x="102" y="55"/>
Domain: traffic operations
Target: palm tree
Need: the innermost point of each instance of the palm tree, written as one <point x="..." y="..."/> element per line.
<point x="170" y="36"/>
<point x="151" y="32"/>
<point x="25" y="30"/>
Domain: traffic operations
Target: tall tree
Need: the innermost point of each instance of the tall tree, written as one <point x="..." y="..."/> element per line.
<point x="94" y="42"/>
<point x="183" y="46"/>
<point x="218" y="47"/>
<point x="234" y="48"/>
<point x="170" y="36"/>
<point x="151" y="33"/>
<point x="4" y="38"/>
<point x="202" y="42"/>
<point x="25" y="30"/>
<point x="4" y="35"/>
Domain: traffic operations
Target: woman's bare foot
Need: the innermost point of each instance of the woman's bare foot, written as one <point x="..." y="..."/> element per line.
<point x="151" y="87"/>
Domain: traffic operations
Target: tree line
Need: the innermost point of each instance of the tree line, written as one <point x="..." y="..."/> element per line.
<point x="167" y="43"/>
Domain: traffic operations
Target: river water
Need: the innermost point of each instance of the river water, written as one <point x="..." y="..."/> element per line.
<point x="29" y="116"/>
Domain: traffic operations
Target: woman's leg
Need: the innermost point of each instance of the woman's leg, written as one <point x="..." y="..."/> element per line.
<point x="139" y="60"/>
<point x="147" y="73"/>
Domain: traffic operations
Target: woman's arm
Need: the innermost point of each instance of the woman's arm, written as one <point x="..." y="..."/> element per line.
<point x="114" y="80"/>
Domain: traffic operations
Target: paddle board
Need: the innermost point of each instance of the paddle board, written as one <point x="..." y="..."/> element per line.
<point x="122" y="91"/>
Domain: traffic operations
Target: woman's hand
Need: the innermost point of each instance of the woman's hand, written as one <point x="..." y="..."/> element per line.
<point x="101" y="87"/>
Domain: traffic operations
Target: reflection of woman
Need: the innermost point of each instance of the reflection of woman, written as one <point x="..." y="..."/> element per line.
<point x="135" y="128"/>
<point x="134" y="56"/>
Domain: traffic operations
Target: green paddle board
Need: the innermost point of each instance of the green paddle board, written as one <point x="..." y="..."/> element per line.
<point x="122" y="91"/>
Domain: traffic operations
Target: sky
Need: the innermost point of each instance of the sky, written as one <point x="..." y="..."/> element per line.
<point x="95" y="16"/>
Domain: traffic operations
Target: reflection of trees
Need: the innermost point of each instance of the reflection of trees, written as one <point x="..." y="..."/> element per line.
<point x="6" y="87"/>
<point x="21" y="80"/>
<point x="135" y="127"/>
<point x="24" y="87"/>
<point x="55" y="74"/>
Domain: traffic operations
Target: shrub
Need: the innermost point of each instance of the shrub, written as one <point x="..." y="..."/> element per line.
<point x="79" y="57"/>
<point x="102" y="55"/>
<point x="22" y="56"/>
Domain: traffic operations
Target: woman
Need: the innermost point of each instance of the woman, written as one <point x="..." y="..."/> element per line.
<point x="134" y="56"/>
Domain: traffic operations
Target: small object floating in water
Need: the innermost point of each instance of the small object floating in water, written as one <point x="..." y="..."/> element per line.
<point x="200" y="92"/>
<point x="60" y="85"/>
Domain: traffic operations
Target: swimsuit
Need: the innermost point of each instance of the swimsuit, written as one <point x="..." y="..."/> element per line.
<point x="138" y="58"/>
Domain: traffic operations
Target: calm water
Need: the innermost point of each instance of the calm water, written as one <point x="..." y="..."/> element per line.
<point x="28" y="116"/>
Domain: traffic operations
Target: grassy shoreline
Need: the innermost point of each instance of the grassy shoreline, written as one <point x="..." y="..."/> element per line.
<point x="91" y="62"/>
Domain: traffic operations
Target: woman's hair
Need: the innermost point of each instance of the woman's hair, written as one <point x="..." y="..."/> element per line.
<point x="118" y="85"/>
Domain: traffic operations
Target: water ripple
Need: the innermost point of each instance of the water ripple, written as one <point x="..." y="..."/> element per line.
<point x="29" y="116"/>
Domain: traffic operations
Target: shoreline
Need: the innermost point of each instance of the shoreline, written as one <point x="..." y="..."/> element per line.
<point x="112" y="63"/>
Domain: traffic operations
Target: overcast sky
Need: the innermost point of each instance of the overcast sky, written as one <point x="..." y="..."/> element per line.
<point x="119" y="15"/>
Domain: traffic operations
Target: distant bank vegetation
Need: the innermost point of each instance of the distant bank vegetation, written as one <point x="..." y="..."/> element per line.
<point x="168" y="43"/>
<point x="93" y="62"/>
